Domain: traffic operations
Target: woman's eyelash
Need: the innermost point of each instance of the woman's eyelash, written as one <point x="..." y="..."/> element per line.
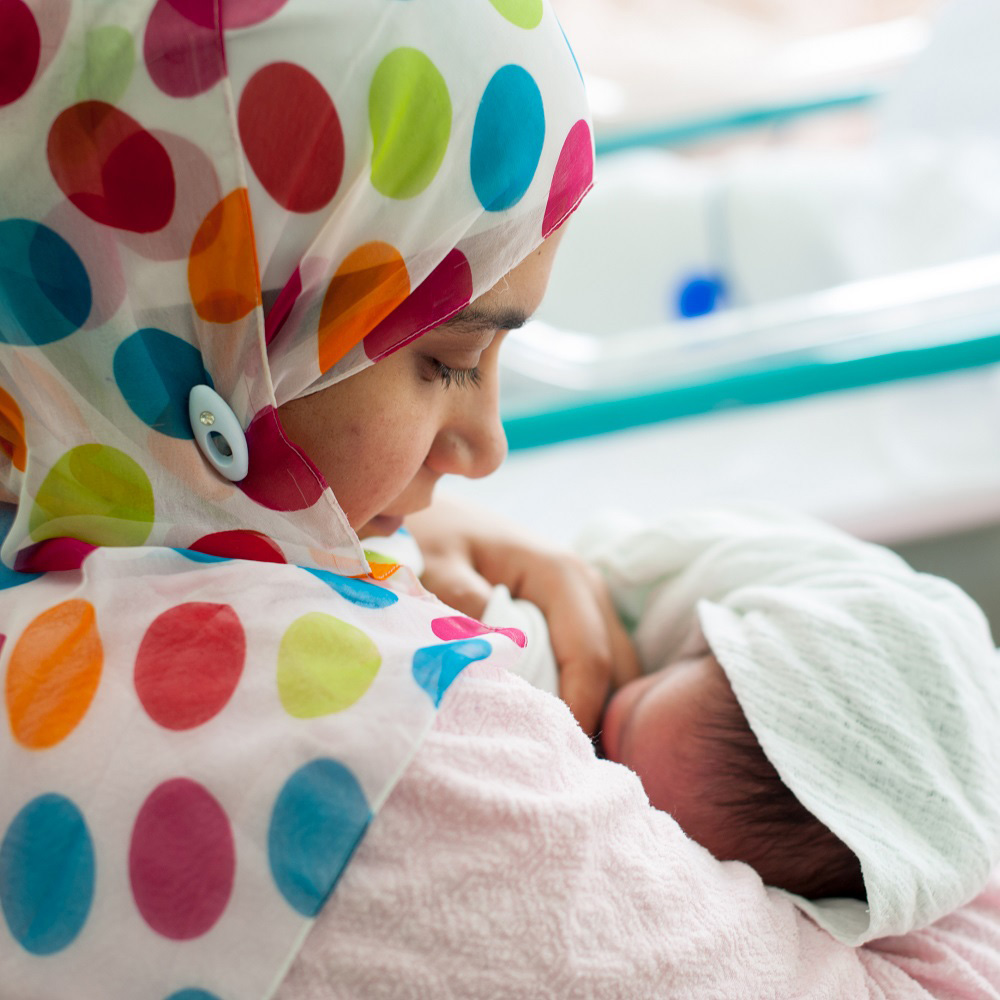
<point x="461" y="377"/>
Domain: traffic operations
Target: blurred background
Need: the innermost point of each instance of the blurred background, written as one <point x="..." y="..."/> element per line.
<point x="785" y="286"/>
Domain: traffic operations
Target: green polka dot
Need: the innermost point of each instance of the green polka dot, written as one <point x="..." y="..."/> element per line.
<point x="324" y="665"/>
<point x="523" y="13"/>
<point x="109" y="58"/>
<point x="97" y="494"/>
<point x="410" y="115"/>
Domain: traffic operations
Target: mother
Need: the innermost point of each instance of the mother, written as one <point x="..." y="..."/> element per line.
<point x="211" y="688"/>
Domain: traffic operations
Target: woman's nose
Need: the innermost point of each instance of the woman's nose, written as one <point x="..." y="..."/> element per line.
<point x="473" y="443"/>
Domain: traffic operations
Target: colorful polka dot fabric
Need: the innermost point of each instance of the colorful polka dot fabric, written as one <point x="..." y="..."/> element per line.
<point x="209" y="691"/>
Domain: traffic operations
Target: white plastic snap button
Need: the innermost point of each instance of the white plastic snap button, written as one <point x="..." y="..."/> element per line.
<point x="218" y="433"/>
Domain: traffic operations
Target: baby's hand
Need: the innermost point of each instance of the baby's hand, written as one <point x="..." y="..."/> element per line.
<point x="467" y="551"/>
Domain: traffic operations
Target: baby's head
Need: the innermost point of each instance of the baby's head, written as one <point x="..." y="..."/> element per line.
<point x="684" y="734"/>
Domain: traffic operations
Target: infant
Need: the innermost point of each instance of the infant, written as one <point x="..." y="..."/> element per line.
<point x="682" y="731"/>
<point x="809" y="705"/>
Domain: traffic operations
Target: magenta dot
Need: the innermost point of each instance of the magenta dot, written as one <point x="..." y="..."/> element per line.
<point x="189" y="663"/>
<point x="235" y="13"/>
<point x="240" y="543"/>
<point x="182" y="860"/>
<point x="184" y="55"/>
<point x="282" y="306"/>
<point x="243" y="13"/>
<point x="292" y="137"/>
<point x="281" y="477"/>
<point x="573" y="177"/>
<point x="460" y="627"/>
<point x="20" y="46"/>
<point x="445" y="291"/>
<point x="111" y="168"/>
<point x="53" y="554"/>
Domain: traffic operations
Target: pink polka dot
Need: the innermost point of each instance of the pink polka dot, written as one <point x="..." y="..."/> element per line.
<point x="281" y="477"/>
<point x="235" y="13"/>
<point x="573" y="177"/>
<point x="111" y="168"/>
<point x="292" y="136"/>
<point x="460" y="627"/>
<point x="243" y="13"/>
<point x="240" y="544"/>
<point x="182" y="860"/>
<point x="444" y="292"/>
<point x="54" y="554"/>
<point x="20" y="47"/>
<point x="189" y="664"/>
<point x="282" y="306"/>
<point x="52" y="17"/>
<point x="183" y="56"/>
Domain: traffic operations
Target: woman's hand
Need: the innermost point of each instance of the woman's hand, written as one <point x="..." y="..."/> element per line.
<point x="467" y="551"/>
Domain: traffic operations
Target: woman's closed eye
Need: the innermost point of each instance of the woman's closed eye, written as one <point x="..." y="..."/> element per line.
<point x="462" y="377"/>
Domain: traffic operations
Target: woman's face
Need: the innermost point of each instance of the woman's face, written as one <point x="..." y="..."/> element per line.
<point x="384" y="437"/>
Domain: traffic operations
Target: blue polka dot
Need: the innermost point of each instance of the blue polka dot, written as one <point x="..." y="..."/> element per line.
<point x="8" y="576"/>
<point x="156" y="372"/>
<point x="360" y="592"/>
<point x="44" y="289"/>
<point x="200" y="557"/>
<point x="570" y="47"/>
<point x="435" y="667"/>
<point x="700" y="295"/>
<point x="318" y="820"/>
<point x="46" y="874"/>
<point x="192" y="994"/>
<point x="507" y="138"/>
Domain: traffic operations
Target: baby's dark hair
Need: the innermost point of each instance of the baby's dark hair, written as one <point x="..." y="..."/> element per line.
<point x="787" y="846"/>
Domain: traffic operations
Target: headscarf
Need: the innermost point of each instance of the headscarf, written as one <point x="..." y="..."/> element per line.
<point x="260" y="197"/>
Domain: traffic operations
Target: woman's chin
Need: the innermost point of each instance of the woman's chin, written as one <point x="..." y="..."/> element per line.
<point x="380" y="526"/>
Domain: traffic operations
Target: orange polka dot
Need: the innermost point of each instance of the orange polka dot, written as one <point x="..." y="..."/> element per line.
<point x="12" y="430"/>
<point x="53" y="674"/>
<point x="222" y="265"/>
<point x="368" y="285"/>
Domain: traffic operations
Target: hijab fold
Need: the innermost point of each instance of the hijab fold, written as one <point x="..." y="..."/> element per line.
<point x="210" y="688"/>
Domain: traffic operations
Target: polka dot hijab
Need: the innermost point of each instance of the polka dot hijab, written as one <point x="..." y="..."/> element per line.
<point x="210" y="688"/>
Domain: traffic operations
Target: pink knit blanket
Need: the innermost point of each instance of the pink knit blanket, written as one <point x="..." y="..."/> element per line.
<point x="510" y="862"/>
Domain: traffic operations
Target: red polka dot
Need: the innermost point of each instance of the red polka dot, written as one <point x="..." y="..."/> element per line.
<point x="292" y="137"/>
<point x="20" y="46"/>
<point x="184" y="57"/>
<point x="111" y="168"/>
<point x="280" y="476"/>
<point x="198" y="185"/>
<point x="182" y="860"/>
<point x="444" y="292"/>
<point x="54" y="554"/>
<point x="240" y="544"/>
<point x="573" y="177"/>
<point x="189" y="664"/>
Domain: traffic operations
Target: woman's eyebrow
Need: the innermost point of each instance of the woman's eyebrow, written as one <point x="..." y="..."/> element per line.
<point x="483" y="318"/>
